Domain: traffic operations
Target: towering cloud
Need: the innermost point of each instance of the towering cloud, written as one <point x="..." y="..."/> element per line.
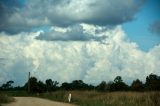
<point x="90" y="61"/>
<point x="71" y="39"/>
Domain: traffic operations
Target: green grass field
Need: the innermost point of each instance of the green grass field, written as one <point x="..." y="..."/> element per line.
<point x="93" y="98"/>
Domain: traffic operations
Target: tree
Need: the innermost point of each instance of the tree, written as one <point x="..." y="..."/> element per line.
<point x="33" y="84"/>
<point x="137" y="85"/>
<point x="118" y="79"/>
<point x="77" y="84"/>
<point x="110" y="86"/>
<point x="102" y="86"/>
<point x="36" y="86"/>
<point x="55" y="87"/>
<point x="152" y="82"/>
<point x="119" y="85"/>
<point x="66" y="86"/>
<point x="7" y="85"/>
<point x="49" y="84"/>
<point x="41" y="87"/>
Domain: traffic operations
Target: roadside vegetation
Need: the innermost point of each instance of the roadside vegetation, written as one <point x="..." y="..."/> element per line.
<point x="94" y="98"/>
<point x="113" y="93"/>
<point x="5" y="98"/>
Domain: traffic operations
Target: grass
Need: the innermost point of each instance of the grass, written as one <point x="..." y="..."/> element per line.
<point x="5" y="99"/>
<point x="18" y="93"/>
<point x="93" y="98"/>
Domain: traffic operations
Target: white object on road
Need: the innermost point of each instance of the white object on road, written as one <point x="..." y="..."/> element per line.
<point x="69" y="97"/>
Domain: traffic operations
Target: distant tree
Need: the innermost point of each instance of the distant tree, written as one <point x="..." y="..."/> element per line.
<point x="55" y="85"/>
<point x="33" y="84"/>
<point x="110" y="86"/>
<point x="118" y="79"/>
<point x="137" y="85"/>
<point x="49" y="84"/>
<point x="102" y="86"/>
<point x="41" y="87"/>
<point x="17" y="88"/>
<point x="66" y="86"/>
<point x="90" y="87"/>
<point x="77" y="85"/>
<point x="36" y="86"/>
<point x="7" y="85"/>
<point x="152" y="82"/>
<point x="119" y="85"/>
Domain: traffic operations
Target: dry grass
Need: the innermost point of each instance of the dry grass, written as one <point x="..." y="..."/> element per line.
<point x="92" y="98"/>
<point x="5" y="99"/>
<point x="117" y="99"/>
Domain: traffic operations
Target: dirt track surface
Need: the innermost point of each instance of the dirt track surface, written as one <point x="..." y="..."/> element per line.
<point x="31" y="101"/>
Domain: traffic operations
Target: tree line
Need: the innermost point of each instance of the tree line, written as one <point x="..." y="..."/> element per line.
<point x="152" y="83"/>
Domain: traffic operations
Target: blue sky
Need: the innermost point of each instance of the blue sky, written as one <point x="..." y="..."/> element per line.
<point x="67" y="40"/>
<point x="138" y="29"/>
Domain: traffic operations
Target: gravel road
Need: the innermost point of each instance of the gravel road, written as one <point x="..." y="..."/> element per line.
<point x="32" y="101"/>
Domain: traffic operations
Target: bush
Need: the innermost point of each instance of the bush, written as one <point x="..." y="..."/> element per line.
<point x="5" y="99"/>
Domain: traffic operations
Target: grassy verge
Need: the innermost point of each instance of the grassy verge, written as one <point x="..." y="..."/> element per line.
<point x="5" y="99"/>
<point x="18" y="93"/>
<point x="91" y="98"/>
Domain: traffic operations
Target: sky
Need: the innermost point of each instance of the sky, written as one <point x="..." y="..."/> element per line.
<point x="89" y="40"/>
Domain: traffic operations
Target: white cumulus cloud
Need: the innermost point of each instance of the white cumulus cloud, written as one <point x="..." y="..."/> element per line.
<point x="90" y="61"/>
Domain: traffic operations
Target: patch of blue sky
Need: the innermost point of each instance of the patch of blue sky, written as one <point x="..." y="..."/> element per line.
<point x="43" y="28"/>
<point x="138" y="29"/>
<point x="13" y="3"/>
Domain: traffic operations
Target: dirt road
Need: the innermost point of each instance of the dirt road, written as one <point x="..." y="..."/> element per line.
<point x="31" y="101"/>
